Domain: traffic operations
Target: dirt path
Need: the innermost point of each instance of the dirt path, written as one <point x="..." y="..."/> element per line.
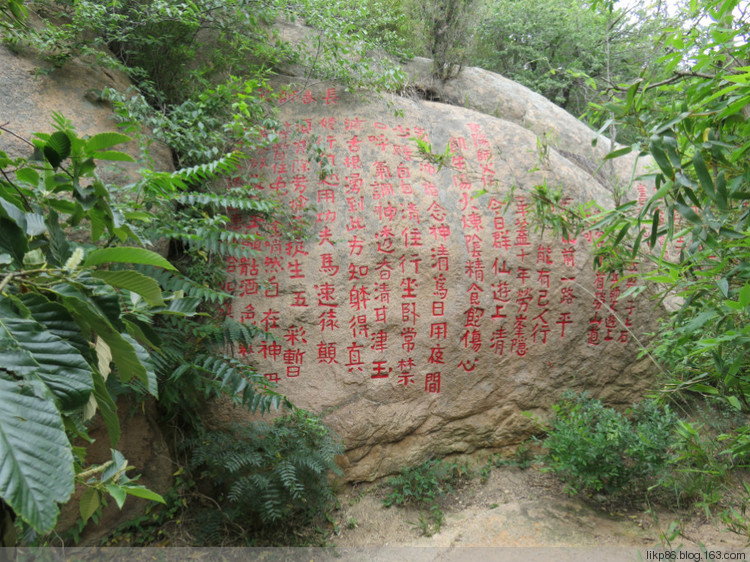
<point x="519" y="508"/>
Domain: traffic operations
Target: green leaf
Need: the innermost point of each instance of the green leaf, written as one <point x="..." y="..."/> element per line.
<point x="91" y="319"/>
<point x="654" y="229"/>
<point x="723" y="286"/>
<point x="657" y="151"/>
<point x="127" y="255"/>
<point x="105" y="140"/>
<point x="89" y="503"/>
<point x="142" y="492"/>
<point x="107" y="408"/>
<point x="118" y="493"/>
<point x="744" y="296"/>
<point x="688" y="213"/>
<point x="133" y="281"/>
<point x="703" y="175"/>
<point x="57" y="148"/>
<point x="28" y="349"/>
<point x="619" y="152"/>
<point x="114" y="156"/>
<point x="13" y="240"/>
<point x="36" y="462"/>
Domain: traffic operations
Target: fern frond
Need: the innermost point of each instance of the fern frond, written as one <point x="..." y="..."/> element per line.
<point x="226" y="202"/>
<point x="171" y="281"/>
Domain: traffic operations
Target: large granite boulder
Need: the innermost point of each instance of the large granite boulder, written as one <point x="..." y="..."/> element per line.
<point x="421" y="313"/>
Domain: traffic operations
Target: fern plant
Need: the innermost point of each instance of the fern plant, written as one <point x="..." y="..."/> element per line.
<point x="267" y="472"/>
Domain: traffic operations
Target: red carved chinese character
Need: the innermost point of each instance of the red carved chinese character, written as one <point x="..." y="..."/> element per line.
<point x="408" y="335"/>
<point x="355" y="357"/>
<point x="300" y="299"/>
<point x="331" y="97"/>
<point x="293" y="356"/>
<point x="355" y="246"/>
<point x="441" y="291"/>
<point x="409" y="312"/>
<point x="295" y="334"/>
<point x="328" y="320"/>
<point x="439" y="330"/>
<point x="269" y="349"/>
<point x="358" y="298"/>
<point x="327" y="353"/>
<point x="436" y="355"/>
<point x="564" y="320"/>
<point x="327" y="265"/>
<point x="440" y="231"/>
<point x="472" y="339"/>
<point x="325" y="236"/>
<point x="380" y="341"/>
<point x="409" y="286"/>
<point x="270" y="319"/>
<point x="379" y="371"/>
<point x="432" y="382"/>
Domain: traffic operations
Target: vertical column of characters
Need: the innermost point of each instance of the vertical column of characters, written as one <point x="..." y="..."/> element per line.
<point x="408" y="263"/>
<point x="354" y="209"/>
<point x="500" y="287"/>
<point x="440" y="234"/>
<point x="258" y="290"/>
<point x="324" y="296"/>
<point x="566" y="295"/>
<point x="472" y="225"/>
<point x="524" y="292"/>
<point x="411" y="235"/>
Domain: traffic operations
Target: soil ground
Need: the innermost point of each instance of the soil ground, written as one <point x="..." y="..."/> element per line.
<point x="516" y="507"/>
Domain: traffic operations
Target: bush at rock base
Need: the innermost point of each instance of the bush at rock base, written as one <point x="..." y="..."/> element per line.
<point x="593" y="448"/>
<point x="267" y="472"/>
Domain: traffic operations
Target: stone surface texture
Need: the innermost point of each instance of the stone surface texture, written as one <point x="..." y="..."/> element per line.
<point x="422" y="315"/>
<point x="31" y="93"/>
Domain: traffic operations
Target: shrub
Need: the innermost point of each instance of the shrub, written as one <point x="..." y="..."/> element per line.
<point x="267" y="472"/>
<point x="594" y="448"/>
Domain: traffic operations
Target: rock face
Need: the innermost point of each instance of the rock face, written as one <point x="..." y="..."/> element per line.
<point x="422" y="314"/>
<point x="30" y="98"/>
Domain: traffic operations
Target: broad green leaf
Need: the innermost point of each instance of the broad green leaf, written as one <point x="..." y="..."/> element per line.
<point x="107" y="409"/>
<point x="91" y="319"/>
<point x="28" y="349"/>
<point x="55" y="318"/>
<point x="13" y="240"/>
<point x="688" y="213"/>
<point x="36" y="462"/>
<point x="142" y="492"/>
<point x="657" y="151"/>
<point x="114" y="156"/>
<point x="89" y="503"/>
<point x="744" y="296"/>
<point x="57" y="148"/>
<point x="28" y="175"/>
<point x="723" y="286"/>
<point x="151" y="382"/>
<point x="126" y="254"/>
<point x="734" y="402"/>
<point x="141" y="284"/>
<point x="105" y="140"/>
<point x="118" y="493"/>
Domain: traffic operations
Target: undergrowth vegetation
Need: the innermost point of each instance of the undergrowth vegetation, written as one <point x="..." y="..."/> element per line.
<point x="425" y="486"/>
